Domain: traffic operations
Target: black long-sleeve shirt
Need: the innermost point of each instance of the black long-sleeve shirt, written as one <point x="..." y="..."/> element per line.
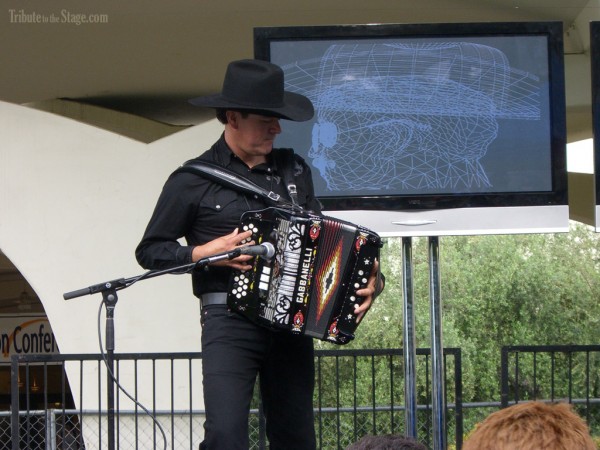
<point x="199" y="210"/>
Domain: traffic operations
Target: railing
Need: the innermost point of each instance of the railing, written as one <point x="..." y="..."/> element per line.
<point x="358" y="392"/>
<point x="568" y="373"/>
<point x="344" y="415"/>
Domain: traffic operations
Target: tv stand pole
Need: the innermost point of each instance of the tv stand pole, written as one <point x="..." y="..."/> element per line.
<point x="409" y="354"/>
<point x="438" y="395"/>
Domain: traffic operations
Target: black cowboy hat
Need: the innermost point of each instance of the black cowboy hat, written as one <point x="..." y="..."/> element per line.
<point x="254" y="85"/>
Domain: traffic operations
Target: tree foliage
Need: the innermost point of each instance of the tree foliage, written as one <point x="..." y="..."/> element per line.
<point x="540" y="289"/>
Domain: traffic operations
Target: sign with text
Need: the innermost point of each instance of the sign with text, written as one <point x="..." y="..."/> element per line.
<point x="25" y="335"/>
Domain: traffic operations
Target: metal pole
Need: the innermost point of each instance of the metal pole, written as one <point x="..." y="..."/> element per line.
<point x="50" y="429"/>
<point x="14" y="406"/>
<point x="410" y="353"/>
<point x="437" y="348"/>
<point x="110" y="298"/>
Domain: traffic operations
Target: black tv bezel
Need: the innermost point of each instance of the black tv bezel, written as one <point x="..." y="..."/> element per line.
<point x="263" y="36"/>
<point x="595" y="88"/>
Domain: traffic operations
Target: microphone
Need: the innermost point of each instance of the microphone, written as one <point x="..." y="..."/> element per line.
<point x="265" y="250"/>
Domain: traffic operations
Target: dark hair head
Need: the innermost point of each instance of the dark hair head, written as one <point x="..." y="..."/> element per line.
<point x="386" y="442"/>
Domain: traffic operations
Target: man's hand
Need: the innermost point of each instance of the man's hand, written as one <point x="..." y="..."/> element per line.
<point x="225" y="244"/>
<point x="374" y="286"/>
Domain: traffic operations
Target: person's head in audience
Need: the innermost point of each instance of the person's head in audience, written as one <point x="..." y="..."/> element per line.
<point x="386" y="442"/>
<point x="532" y="426"/>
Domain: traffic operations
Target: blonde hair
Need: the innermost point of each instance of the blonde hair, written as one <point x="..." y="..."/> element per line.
<point x="532" y="426"/>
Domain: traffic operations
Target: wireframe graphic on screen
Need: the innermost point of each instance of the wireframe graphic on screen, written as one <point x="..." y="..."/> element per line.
<point x="422" y="115"/>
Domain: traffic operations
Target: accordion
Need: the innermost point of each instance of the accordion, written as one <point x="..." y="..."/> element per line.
<point x="309" y="285"/>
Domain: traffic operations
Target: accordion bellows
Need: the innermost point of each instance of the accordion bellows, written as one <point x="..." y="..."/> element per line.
<point x="309" y="286"/>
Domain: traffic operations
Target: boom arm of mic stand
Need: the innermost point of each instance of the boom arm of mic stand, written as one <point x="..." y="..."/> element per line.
<point x="122" y="283"/>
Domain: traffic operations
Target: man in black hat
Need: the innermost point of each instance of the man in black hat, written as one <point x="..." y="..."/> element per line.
<point x="206" y="214"/>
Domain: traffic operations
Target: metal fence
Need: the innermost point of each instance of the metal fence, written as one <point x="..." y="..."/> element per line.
<point x="569" y="373"/>
<point x="160" y="407"/>
<point x="357" y="392"/>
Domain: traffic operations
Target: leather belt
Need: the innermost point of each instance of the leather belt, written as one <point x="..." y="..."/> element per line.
<point x="214" y="298"/>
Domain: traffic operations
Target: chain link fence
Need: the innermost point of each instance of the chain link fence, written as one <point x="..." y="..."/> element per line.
<point x="359" y="392"/>
<point x="188" y="427"/>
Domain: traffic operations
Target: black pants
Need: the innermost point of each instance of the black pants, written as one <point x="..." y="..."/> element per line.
<point x="234" y="351"/>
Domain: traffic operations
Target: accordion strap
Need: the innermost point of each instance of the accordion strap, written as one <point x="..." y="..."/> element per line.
<point x="284" y="159"/>
<point x="226" y="177"/>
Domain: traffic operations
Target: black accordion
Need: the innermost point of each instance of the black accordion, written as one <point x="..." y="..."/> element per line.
<point x="308" y="286"/>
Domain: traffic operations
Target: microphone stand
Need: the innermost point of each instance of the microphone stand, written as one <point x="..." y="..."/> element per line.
<point x="109" y="295"/>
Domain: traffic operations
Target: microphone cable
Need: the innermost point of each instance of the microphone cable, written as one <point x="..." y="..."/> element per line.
<point x="114" y="379"/>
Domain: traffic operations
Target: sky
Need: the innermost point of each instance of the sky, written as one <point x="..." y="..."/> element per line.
<point x="580" y="156"/>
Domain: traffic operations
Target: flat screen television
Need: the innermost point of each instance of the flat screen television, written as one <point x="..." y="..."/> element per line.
<point x="595" y="69"/>
<point x="430" y="129"/>
<point x="584" y="185"/>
